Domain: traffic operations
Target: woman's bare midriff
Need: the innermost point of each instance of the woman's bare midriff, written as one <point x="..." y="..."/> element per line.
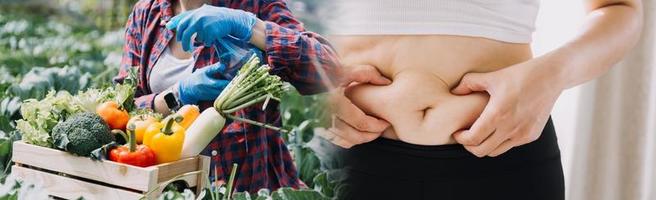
<point x="423" y="69"/>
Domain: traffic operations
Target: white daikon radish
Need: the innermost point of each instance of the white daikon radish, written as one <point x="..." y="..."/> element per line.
<point x="201" y="132"/>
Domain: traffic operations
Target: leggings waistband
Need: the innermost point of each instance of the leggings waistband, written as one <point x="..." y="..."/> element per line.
<point x="385" y="156"/>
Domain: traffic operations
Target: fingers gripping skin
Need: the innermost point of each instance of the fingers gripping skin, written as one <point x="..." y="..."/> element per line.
<point x="480" y="130"/>
<point x="353" y="126"/>
<point x="519" y="107"/>
<point x="472" y="82"/>
<point x="364" y="74"/>
<point x="503" y="147"/>
<point x="348" y="112"/>
<point x="345" y="136"/>
<point x="483" y="137"/>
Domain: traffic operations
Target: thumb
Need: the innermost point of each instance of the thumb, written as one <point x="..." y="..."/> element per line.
<point x="215" y="69"/>
<point x="471" y="82"/>
<point x="220" y="84"/>
<point x="365" y="74"/>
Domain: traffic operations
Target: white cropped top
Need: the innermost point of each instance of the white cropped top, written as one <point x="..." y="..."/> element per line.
<point x="504" y="20"/>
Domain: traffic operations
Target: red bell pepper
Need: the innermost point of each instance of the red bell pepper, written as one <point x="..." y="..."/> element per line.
<point x="131" y="153"/>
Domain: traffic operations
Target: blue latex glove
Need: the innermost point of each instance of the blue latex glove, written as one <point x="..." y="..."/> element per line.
<point x="211" y="23"/>
<point x="202" y="85"/>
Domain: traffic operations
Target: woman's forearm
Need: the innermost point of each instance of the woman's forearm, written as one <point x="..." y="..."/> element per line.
<point x="302" y="58"/>
<point x="609" y="32"/>
<point x="258" y="38"/>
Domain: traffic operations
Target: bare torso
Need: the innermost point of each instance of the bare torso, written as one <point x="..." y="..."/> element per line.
<point x="423" y="69"/>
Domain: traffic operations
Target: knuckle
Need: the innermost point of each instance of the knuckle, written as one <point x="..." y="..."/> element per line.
<point x="361" y="125"/>
<point x="474" y="139"/>
<point x="521" y="134"/>
<point x="466" y="141"/>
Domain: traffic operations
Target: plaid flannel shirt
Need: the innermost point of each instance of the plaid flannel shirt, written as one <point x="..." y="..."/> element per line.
<point x="293" y="53"/>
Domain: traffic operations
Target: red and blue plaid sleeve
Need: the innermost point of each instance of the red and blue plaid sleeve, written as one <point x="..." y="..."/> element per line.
<point x="300" y="57"/>
<point x="132" y="56"/>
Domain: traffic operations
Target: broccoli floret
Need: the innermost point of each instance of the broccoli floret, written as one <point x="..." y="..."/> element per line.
<point x="81" y="134"/>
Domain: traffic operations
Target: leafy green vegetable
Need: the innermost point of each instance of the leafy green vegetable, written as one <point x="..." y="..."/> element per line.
<point x="91" y="98"/>
<point x="40" y="117"/>
<point x="9" y="111"/>
<point x="81" y="134"/>
<point x="312" y="156"/>
<point x="6" y="142"/>
<point x="124" y="93"/>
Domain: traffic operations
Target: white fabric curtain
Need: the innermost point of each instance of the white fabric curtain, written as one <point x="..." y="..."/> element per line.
<point x="615" y="142"/>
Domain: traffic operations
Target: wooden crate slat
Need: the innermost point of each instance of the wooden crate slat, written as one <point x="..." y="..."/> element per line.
<point x="70" y="188"/>
<point x="204" y="163"/>
<point x="107" y="171"/>
<point x="172" y="169"/>
<point x="115" y="178"/>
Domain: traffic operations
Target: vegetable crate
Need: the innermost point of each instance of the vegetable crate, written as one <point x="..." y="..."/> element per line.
<point x="64" y="175"/>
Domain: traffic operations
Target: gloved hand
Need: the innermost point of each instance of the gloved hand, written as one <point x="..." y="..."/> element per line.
<point x="212" y="23"/>
<point x="202" y="85"/>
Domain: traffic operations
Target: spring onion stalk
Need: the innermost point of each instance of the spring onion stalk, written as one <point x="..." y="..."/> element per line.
<point x="231" y="180"/>
<point x="252" y="85"/>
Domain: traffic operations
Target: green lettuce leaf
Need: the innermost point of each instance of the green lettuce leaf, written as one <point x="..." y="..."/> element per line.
<point x="39" y="117"/>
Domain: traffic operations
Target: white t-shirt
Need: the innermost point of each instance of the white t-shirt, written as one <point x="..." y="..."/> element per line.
<point x="168" y="70"/>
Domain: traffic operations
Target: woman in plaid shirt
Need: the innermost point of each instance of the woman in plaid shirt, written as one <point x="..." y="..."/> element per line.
<point x="192" y="72"/>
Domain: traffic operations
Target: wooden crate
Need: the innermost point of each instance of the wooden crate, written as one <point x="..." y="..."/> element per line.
<point x="67" y="176"/>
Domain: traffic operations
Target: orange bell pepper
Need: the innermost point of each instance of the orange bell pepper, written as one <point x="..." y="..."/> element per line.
<point x="189" y="113"/>
<point x="115" y="117"/>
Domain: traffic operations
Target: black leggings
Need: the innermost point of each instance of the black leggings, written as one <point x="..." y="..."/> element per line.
<point x="390" y="169"/>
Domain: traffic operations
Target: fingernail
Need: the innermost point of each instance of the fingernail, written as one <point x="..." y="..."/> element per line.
<point x="169" y="25"/>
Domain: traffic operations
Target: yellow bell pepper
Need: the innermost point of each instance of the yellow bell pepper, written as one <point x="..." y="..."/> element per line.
<point x="141" y="123"/>
<point x="166" y="139"/>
